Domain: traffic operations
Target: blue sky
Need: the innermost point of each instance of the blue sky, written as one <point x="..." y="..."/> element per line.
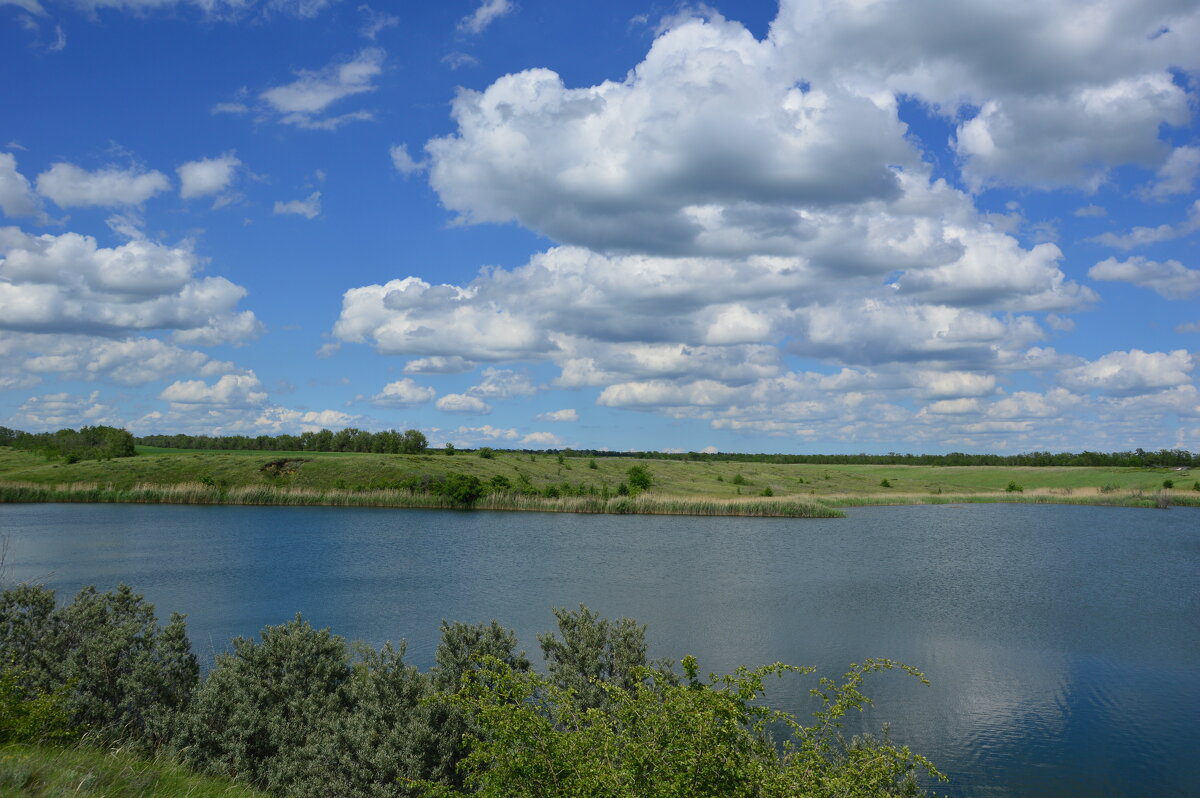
<point x="745" y="226"/>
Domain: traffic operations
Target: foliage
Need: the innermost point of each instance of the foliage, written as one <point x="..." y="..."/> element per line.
<point x="1168" y="483"/>
<point x="124" y="676"/>
<point x="738" y="479"/>
<point x="1013" y="487"/>
<point x="658" y="737"/>
<point x="28" y="716"/>
<point x="86" y="443"/>
<point x="767" y="491"/>
<point x="487" y="452"/>
<point x="462" y="489"/>
<point x="639" y="478"/>
<point x="884" y="483"/>
<point x="592" y="464"/>
<point x="594" y="652"/>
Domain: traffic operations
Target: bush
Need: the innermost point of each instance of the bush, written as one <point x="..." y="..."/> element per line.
<point x="883" y="483"/>
<point x="124" y="677"/>
<point x="1013" y="487"/>
<point x="738" y="479"/>
<point x="1168" y="483"/>
<point x="767" y="492"/>
<point x="658" y="737"/>
<point x="486" y="452"/>
<point x="592" y="465"/>
<point x="639" y="478"/>
<point x="29" y="716"/>
<point x="463" y="489"/>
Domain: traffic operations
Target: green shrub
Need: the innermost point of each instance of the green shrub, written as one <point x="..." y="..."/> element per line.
<point x="1168" y="483"/>
<point x="592" y="465"/>
<point x="767" y="492"/>
<point x="31" y="717"/>
<point x="1013" y="487"/>
<point x="639" y="478"/>
<point x="487" y="453"/>
<point x="883" y="483"/>
<point x="738" y="479"/>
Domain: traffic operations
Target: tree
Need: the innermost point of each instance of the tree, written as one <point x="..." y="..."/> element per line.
<point x="639" y="478"/>
<point x="413" y="442"/>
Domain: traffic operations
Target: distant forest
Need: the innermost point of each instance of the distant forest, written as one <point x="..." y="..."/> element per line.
<point x="86" y="443"/>
<point x="413" y="442"/>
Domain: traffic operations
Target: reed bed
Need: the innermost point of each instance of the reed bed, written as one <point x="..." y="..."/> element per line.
<point x="197" y="493"/>
<point x="1135" y="498"/>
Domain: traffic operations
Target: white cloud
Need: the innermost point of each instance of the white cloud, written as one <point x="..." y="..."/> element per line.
<point x="309" y="207"/>
<point x="403" y="162"/>
<point x="1171" y="279"/>
<point x="487" y="13"/>
<point x="461" y="403"/>
<point x="58" y="410"/>
<point x="502" y="384"/>
<point x="232" y="390"/>
<point x="1091" y="211"/>
<point x="16" y="195"/>
<point x="70" y="186"/>
<point x="1144" y="236"/>
<point x="487" y="433"/>
<point x="546" y="440"/>
<point x="207" y="176"/>
<point x="1130" y="373"/>
<point x="1190" y="327"/>
<point x="304" y="101"/>
<point x="567" y="414"/>
<point x="452" y="364"/>
<point x="1177" y="175"/>
<point x="32" y="6"/>
<point x="403" y="393"/>
<point x="130" y="361"/>
<point x="66" y="283"/>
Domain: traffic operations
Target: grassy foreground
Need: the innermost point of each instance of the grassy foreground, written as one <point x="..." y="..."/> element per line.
<point x="679" y="487"/>
<point x="35" y="771"/>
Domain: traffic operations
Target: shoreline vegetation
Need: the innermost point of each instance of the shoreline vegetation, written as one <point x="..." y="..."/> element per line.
<point x="501" y="480"/>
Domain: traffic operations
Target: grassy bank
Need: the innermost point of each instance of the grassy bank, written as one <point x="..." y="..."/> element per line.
<point x="679" y="487"/>
<point x="41" y="771"/>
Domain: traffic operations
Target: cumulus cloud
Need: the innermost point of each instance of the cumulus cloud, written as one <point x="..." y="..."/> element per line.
<point x="1177" y="175"/>
<point x="69" y="284"/>
<point x="403" y="393"/>
<point x="733" y="203"/>
<point x="16" y="195"/>
<point x="131" y="361"/>
<point x="69" y="186"/>
<point x="487" y="13"/>
<point x="546" y="440"/>
<point x="403" y="162"/>
<point x="207" y="176"/>
<point x="566" y="414"/>
<point x="58" y="410"/>
<point x="305" y="101"/>
<point x="1171" y="279"/>
<point x="463" y="404"/>
<point x="452" y="364"/>
<point x="1132" y="372"/>
<point x="309" y="207"/>
<point x="1144" y="236"/>
<point x="232" y="390"/>
<point x="502" y="384"/>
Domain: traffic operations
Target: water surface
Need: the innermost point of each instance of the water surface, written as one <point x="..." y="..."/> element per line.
<point x="1062" y="643"/>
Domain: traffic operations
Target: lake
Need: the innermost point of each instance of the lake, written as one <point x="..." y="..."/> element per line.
<point x="1062" y="643"/>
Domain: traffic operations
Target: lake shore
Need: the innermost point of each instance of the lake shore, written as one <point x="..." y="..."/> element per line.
<point x="645" y="504"/>
<point x="546" y="482"/>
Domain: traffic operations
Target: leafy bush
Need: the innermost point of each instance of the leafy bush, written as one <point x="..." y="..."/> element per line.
<point x="1168" y="483"/>
<point x="487" y="453"/>
<point x="767" y="491"/>
<point x="124" y="676"/>
<point x="462" y="489"/>
<point x="1013" y="487"/>
<point x="704" y="738"/>
<point x="883" y="483"/>
<point x="738" y="479"/>
<point x="639" y="478"/>
<point x="31" y="717"/>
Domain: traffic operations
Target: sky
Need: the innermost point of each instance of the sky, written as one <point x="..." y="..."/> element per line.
<point x="805" y="226"/>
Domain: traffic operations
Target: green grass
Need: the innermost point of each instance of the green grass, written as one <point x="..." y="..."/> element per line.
<point x="698" y="487"/>
<point x="41" y="772"/>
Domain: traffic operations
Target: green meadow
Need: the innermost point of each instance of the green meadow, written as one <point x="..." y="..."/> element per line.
<point x="586" y="484"/>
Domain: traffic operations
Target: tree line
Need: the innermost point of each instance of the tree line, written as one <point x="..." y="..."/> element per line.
<point x="86" y="443"/>
<point x="414" y="442"/>
<point x="301" y="712"/>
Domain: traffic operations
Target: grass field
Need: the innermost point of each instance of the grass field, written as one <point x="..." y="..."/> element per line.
<point x="41" y="772"/>
<point x="697" y="487"/>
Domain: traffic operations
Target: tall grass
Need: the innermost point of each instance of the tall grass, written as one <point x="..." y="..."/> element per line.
<point x="197" y="493"/>
<point x="43" y="771"/>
